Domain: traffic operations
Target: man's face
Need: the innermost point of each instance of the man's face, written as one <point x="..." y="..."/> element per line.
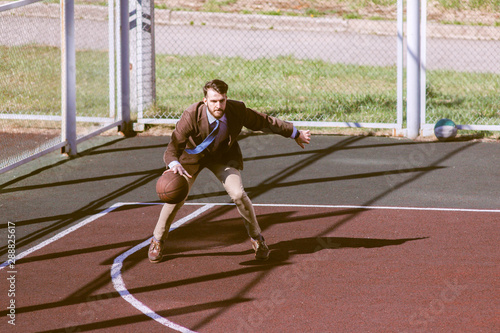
<point x="216" y="103"/>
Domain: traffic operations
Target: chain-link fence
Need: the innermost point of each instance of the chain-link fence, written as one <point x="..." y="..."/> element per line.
<point x="297" y="68"/>
<point x="30" y="82"/>
<point x="329" y="69"/>
<point x="92" y="68"/>
<point x="463" y="64"/>
<point x="31" y="92"/>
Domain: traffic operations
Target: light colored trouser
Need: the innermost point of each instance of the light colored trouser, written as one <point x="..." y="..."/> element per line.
<point x="231" y="179"/>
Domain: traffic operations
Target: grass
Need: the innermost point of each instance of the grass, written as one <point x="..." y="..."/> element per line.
<point x="319" y="91"/>
<point x="486" y="5"/>
<point x="284" y="86"/>
<point x="287" y="87"/>
<point x="30" y="82"/>
<point x="215" y="5"/>
<point x="463" y="96"/>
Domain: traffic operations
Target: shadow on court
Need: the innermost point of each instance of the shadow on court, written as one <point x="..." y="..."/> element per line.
<point x="374" y="269"/>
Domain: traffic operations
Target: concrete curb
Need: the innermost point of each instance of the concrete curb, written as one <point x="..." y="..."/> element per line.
<point x="250" y="21"/>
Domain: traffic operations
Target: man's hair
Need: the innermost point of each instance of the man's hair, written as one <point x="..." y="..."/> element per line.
<point x="217" y="85"/>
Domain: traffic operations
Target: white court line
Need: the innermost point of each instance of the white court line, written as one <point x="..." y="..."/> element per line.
<point x="119" y="284"/>
<point x="386" y="207"/>
<point x="118" y="263"/>
<point x="119" y="204"/>
<point x="444" y="209"/>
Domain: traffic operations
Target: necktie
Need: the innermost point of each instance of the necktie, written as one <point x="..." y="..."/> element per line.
<point x="208" y="140"/>
<point x="222" y="134"/>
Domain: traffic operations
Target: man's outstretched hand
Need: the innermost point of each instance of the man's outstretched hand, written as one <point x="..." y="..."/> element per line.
<point x="304" y="138"/>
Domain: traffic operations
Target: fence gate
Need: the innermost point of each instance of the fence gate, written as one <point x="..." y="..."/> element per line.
<point x="58" y="85"/>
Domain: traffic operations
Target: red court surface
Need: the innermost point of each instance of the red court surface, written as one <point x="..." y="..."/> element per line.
<point x="331" y="269"/>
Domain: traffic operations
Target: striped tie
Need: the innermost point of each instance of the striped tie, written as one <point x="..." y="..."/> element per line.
<point x="208" y="140"/>
<point x="222" y="134"/>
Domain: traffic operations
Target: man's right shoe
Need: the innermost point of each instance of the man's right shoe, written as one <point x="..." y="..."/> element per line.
<point x="155" y="251"/>
<point x="260" y="247"/>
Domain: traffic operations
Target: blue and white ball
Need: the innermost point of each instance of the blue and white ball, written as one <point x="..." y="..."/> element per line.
<point x="445" y="129"/>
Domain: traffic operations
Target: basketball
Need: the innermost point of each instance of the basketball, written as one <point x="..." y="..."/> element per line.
<point x="445" y="129"/>
<point x="172" y="188"/>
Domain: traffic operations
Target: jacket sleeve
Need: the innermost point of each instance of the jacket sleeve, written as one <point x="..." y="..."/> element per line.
<point x="180" y="137"/>
<point x="258" y="121"/>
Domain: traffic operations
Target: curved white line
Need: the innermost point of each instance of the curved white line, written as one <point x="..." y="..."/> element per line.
<point x="119" y="284"/>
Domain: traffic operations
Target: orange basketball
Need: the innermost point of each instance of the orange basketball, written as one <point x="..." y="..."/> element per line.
<point x="172" y="188"/>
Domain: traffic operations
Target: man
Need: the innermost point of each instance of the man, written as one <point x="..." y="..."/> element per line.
<point x="205" y="137"/>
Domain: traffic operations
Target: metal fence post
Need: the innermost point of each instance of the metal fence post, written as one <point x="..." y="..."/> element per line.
<point x="68" y="70"/>
<point x="413" y="68"/>
<point x="400" y="67"/>
<point x="125" y="128"/>
<point x="423" y="65"/>
<point x="142" y="58"/>
<point x="111" y="59"/>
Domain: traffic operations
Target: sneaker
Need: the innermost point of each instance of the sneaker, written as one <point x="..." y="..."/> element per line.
<point x="155" y="251"/>
<point x="260" y="248"/>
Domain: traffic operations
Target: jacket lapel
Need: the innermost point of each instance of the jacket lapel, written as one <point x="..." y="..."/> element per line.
<point x="203" y="121"/>
<point x="230" y="129"/>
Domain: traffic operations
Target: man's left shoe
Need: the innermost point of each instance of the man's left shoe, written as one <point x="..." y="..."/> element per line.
<point x="155" y="251"/>
<point x="260" y="247"/>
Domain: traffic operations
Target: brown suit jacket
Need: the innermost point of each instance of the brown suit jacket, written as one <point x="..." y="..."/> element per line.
<point x="193" y="128"/>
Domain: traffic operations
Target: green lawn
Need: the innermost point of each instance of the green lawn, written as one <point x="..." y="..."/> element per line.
<point x="287" y="87"/>
<point x="320" y="91"/>
<point x="30" y="81"/>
